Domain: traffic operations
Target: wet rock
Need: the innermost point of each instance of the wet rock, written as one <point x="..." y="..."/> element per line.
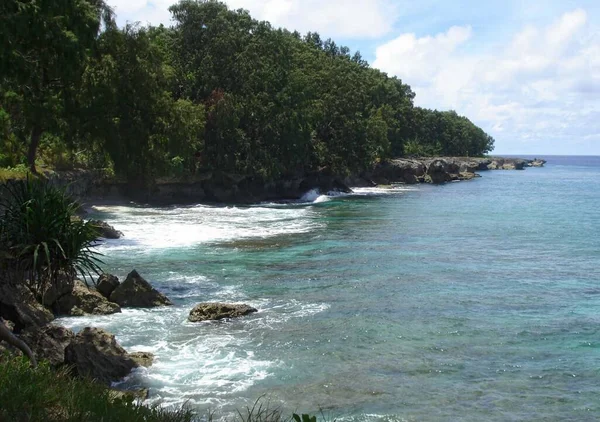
<point x="106" y="284"/>
<point x="95" y="353"/>
<point x="217" y="311"/>
<point x="145" y="359"/>
<point x="536" y="163"/>
<point x="49" y="342"/>
<point x="136" y="292"/>
<point x="105" y="230"/>
<point x="84" y="301"/>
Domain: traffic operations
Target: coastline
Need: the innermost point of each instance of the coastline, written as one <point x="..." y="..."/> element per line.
<point x="94" y="188"/>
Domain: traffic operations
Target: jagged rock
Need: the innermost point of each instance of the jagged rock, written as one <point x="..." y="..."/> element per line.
<point x="399" y="170"/>
<point x="136" y="292"/>
<point x="18" y="304"/>
<point x="217" y="311"/>
<point x="84" y="300"/>
<point x="145" y="359"/>
<point x="105" y="230"/>
<point x="437" y="171"/>
<point x="536" y="163"/>
<point x="95" y="353"/>
<point x="106" y="284"/>
<point x="48" y="342"/>
<point x="62" y="286"/>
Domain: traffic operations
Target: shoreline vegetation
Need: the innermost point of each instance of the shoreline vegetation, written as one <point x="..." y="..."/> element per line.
<point x="217" y="92"/>
<point x="218" y="107"/>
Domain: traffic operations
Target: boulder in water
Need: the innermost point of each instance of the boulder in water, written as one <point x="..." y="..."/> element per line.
<point x="83" y="301"/>
<point x="105" y="230"/>
<point x="136" y="292"/>
<point x="145" y="359"/>
<point x="106" y="284"/>
<point x="95" y="353"/>
<point x="217" y="311"/>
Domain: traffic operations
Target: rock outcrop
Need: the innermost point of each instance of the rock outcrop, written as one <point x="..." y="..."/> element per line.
<point x="136" y="292"/>
<point x="48" y="342"/>
<point x="84" y="301"/>
<point x="106" y="284"/>
<point x="217" y="311"/>
<point x="105" y="230"/>
<point x="19" y="305"/>
<point x="145" y="359"/>
<point x="398" y="171"/>
<point x="536" y="163"/>
<point x="95" y="353"/>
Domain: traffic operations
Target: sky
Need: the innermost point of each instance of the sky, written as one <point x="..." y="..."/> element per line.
<point x="527" y="72"/>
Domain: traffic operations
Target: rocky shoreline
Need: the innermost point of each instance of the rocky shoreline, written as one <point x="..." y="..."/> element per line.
<point x="221" y="187"/>
<point x="26" y="325"/>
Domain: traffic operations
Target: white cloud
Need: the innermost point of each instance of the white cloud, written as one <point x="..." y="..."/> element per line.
<point x="540" y="87"/>
<point x="333" y="18"/>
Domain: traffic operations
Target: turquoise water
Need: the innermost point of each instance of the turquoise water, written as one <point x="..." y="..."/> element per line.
<point x="472" y="301"/>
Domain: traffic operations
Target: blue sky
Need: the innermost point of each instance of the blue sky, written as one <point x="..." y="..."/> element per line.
<point x="528" y="72"/>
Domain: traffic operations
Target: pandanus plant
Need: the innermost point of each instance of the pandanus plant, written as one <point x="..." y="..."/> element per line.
<point x="41" y="238"/>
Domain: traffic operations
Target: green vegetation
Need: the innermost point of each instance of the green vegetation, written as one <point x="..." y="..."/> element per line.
<point x="46" y="395"/>
<point x="41" y="240"/>
<point x="216" y="91"/>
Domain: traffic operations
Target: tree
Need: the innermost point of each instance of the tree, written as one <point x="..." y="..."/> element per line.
<point x="44" y="45"/>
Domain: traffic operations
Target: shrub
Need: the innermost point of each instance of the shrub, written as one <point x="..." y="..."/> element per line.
<point x="41" y="238"/>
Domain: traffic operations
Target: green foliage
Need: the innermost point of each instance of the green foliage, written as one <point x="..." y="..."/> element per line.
<point x="43" y="51"/>
<point x="217" y="91"/>
<point x="52" y="396"/>
<point x="41" y="239"/>
<point x="304" y="418"/>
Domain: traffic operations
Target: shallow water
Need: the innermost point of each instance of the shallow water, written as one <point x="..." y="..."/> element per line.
<point x="471" y="301"/>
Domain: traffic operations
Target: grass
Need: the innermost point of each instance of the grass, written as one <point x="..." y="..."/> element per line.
<point x="13" y="173"/>
<point x="46" y="395"/>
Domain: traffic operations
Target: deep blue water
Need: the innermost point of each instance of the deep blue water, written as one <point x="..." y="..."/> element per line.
<point x="471" y="301"/>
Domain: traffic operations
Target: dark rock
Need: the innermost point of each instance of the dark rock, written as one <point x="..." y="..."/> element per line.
<point x="105" y="230"/>
<point x="135" y="292"/>
<point x="217" y="311"/>
<point x="106" y="284"/>
<point x="145" y="359"/>
<point x="49" y="342"/>
<point x="95" y="353"/>
<point x="18" y="304"/>
<point x="437" y="171"/>
<point x="83" y="300"/>
<point x="399" y="171"/>
<point x="63" y="286"/>
<point x="535" y="163"/>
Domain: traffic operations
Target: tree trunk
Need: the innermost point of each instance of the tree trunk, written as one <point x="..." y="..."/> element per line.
<point x="36" y="134"/>
<point x="11" y="339"/>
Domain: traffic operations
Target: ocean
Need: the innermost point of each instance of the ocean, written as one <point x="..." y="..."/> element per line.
<point x="470" y="301"/>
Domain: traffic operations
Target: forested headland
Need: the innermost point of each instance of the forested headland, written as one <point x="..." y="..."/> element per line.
<point x="216" y="91"/>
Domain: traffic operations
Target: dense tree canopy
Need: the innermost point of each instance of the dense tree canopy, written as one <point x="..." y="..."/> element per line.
<point x="218" y="90"/>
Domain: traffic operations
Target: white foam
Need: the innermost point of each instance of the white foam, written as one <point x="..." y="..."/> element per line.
<point x="199" y="363"/>
<point x="161" y="228"/>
